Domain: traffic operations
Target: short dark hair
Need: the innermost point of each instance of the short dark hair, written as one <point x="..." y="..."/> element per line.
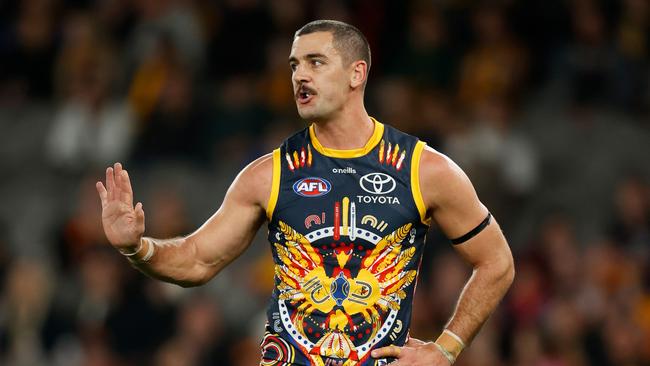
<point x="348" y="40"/>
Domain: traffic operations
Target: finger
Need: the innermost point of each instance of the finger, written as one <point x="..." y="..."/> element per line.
<point x="110" y="183"/>
<point x="103" y="195"/>
<point x="390" y="351"/>
<point x="117" y="173"/>
<point x="139" y="215"/>
<point x="126" y="190"/>
<point x="117" y="168"/>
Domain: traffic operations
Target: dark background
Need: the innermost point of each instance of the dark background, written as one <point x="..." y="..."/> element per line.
<point x="543" y="103"/>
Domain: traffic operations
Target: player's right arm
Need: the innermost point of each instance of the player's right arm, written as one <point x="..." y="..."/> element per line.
<point x="193" y="259"/>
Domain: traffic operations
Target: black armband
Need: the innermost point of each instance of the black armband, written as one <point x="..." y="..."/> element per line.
<point x="474" y="231"/>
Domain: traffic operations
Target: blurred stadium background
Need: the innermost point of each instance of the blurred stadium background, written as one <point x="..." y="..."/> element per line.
<point x="544" y="103"/>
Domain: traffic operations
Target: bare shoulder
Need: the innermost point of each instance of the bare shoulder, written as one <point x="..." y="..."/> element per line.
<point x="441" y="176"/>
<point x="447" y="191"/>
<point x="253" y="183"/>
<point x="261" y="168"/>
<point x="435" y="162"/>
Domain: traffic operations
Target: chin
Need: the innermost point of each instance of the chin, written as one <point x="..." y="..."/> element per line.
<point x="308" y="114"/>
<point x="312" y="114"/>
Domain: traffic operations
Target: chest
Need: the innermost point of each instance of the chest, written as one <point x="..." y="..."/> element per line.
<point x="353" y="196"/>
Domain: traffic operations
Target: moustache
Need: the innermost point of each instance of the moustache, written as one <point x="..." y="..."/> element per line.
<point x="305" y="90"/>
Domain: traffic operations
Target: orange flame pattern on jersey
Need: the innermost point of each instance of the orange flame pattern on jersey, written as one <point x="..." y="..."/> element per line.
<point x="297" y="159"/>
<point x="390" y="155"/>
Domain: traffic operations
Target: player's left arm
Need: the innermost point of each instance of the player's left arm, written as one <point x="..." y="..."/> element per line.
<point x="457" y="211"/>
<point x="452" y="203"/>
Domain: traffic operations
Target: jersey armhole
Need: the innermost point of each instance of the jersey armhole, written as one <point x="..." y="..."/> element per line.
<point x="415" y="183"/>
<point x="275" y="185"/>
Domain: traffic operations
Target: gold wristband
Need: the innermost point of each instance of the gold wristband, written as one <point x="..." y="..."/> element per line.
<point x="456" y="337"/>
<point x="451" y="342"/>
<point x="151" y="249"/>
<point x="446" y="353"/>
<point x="131" y="254"/>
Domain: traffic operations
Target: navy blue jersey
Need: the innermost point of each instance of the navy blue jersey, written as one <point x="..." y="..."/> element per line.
<point x="347" y="229"/>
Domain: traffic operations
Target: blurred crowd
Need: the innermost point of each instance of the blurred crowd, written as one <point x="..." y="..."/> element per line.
<point x="545" y="105"/>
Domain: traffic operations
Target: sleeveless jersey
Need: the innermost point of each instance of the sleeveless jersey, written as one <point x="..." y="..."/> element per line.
<point x="347" y="229"/>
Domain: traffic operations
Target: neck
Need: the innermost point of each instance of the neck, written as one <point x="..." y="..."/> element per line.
<point x="351" y="129"/>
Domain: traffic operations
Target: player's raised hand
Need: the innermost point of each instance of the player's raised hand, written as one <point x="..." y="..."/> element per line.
<point x="123" y="223"/>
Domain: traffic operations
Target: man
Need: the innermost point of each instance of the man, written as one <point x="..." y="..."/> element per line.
<point x="349" y="201"/>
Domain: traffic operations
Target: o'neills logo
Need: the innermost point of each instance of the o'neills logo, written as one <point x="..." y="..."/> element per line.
<point x="348" y="170"/>
<point x="312" y="187"/>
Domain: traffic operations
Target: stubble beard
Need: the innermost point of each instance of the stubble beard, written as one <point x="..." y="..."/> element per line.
<point x="311" y="113"/>
<point x="307" y="115"/>
<point x="318" y="112"/>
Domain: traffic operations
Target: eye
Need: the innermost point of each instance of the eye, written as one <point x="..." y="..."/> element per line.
<point x="317" y="63"/>
<point x="293" y="66"/>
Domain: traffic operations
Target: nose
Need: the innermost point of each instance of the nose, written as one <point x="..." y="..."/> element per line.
<point x="301" y="75"/>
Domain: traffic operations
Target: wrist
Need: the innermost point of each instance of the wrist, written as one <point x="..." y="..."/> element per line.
<point x="131" y="250"/>
<point x="145" y="249"/>
<point x="450" y="345"/>
<point x="450" y="358"/>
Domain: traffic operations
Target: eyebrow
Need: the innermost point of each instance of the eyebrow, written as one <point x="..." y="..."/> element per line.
<point x="308" y="56"/>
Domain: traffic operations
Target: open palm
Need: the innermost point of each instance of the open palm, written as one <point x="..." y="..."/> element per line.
<point x="123" y="223"/>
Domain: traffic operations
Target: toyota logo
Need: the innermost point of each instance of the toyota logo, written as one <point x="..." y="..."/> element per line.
<point x="377" y="183"/>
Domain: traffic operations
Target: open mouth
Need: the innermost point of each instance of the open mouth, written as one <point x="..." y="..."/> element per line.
<point x="305" y="95"/>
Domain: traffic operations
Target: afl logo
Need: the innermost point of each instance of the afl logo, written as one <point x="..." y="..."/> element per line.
<point x="377" y="183"/>
<point x="312" y="187"/>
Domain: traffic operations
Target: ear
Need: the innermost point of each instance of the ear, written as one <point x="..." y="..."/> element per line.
<point x="359" y="73"/>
